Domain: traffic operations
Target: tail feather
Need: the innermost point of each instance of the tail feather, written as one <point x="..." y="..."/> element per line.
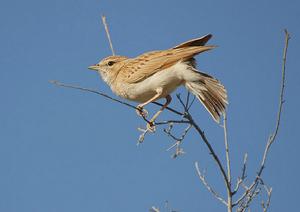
<point x="210" y="92"/>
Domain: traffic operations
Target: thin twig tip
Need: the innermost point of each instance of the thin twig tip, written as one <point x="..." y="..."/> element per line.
<point x="53" y="82"/>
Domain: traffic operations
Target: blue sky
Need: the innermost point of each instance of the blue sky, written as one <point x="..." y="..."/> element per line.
<point x="66" y="150"/>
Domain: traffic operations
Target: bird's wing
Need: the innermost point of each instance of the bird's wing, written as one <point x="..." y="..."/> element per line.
<point x="195" y="42"/>
<point x="149" y="63"/>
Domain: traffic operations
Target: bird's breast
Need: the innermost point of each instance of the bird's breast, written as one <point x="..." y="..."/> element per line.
<point x="167" y="79"/>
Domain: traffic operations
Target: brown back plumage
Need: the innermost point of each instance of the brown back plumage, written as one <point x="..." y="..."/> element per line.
<point x="149" y="63"/>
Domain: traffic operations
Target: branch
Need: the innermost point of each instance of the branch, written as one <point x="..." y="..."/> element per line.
<point x="227" y="149"/>
<point x="266" y="205"/>
<point x="252" y="188"/>
<point x="209" y="188"/>
<point x="109" y="97"/>
<point x="107" y="34"/>
<point x="243" y="175"/>
<point x="229" y="192"/>
<point x="172" y="122"/>
<point x="154" y="209"/>
<point x="178" y="141"/>
<point x="144" y="131"/>
<point x="211" y="150"/>
<point x="92" y="91"/>
<point x="188" y="116"/>
<point x="281" y="101"/>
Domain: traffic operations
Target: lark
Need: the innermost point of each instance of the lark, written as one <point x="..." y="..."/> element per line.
<point x="156" y="74"/>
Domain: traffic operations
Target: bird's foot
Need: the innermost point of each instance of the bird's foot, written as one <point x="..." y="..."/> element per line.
<point x="151" y="126"/>
<point x="141" y="111"/>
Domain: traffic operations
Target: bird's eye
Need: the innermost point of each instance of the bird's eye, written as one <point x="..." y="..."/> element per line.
<point x="110" y="63"/>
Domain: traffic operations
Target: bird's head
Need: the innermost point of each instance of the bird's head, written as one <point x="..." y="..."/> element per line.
<point x="109" y="67"/>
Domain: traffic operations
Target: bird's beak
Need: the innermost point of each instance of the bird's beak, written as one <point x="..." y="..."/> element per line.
<point x="93" y="67"/>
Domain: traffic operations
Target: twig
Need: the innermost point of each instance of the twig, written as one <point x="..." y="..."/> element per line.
<point x="188" y="116"/>
<point x="154" y="209"/>
<point x="227" y="149"/>
<point x="144" y="131"/>
<point x="168" y="132"/>
<point x="99" y="93"/>
<point x="252" y="188"/>
<point x="178" y="141"/>
<point x="187" y="100"/>
<point x="192" y="102"/>
<point x="229" y="192"/>
<point x="109" y="97"/>
<point x="281" y="101"/>
<point x="92" y="91"/>
<point x="209" y="188"/>
<point x="172" y="121"/>
<point x="211" y="150"/>
<point x="243" y="175"/>
<point x="181" y="102"/>
<point x="107" y="34"/>
<point x="266" y="205"/>
<point x="142" y="136"/>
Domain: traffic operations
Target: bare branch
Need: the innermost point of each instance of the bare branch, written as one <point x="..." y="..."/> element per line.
<point x="107" y="34"/>
<point x="187" y="100"/>
<point x="178" y="140"/>
<point x="209" y="188"/>
<point x="211" y="150"/>
<point x="229" y="192"/>
<point x="109" y="97"/>
<point x="181" y="102"/>
<point x="166" y="208"/>
<point x="142" y="136"/>
<point x="241" y="179"/>
<point x="99" y="93"/>
<point x="144" y="131"/>
<point x="92" y="91"/>
<point x="189" y="117"/>
<point x="266" y="205"/>
<point x="281" y="101"/>
<point x="154" y="209"/>
<point x="250" y="193"/>
<point x="227" y="149"/>
<point x="169" y="130"/>
<point x="172" y="121"/>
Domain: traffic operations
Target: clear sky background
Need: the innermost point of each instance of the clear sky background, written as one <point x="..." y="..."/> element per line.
<point x="66" y="150"/>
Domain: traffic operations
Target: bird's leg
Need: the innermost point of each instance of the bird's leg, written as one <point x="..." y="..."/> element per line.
<point x="140" y="108"/>
<point x="168" y="101"/>
<point x="141" y="111"/>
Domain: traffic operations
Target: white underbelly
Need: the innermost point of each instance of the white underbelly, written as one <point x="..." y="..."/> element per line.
<point x="167" y="80"/>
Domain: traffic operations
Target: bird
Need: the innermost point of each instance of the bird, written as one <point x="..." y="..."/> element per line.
<point x="156" y="74"/>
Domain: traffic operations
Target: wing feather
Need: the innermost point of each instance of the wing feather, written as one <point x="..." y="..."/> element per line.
<point x="147" y="64"/>
<point x="195" y="42"/>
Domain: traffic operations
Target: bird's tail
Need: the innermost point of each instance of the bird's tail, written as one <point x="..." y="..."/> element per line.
<point x="210" y="92"/>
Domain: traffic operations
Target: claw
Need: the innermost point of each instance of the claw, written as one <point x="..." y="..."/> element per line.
<point x="151" y="127"/>
<point x="141" y="111"/>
